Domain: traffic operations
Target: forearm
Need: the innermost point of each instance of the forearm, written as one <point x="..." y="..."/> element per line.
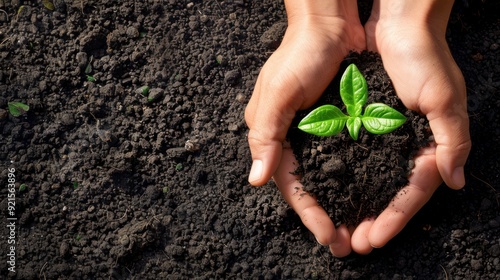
<point x="300" y="9"/>
<point x="429" y="14"/>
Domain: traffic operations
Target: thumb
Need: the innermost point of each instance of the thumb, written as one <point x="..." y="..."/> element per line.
<point x="268" y="115"/>
<point x="266" y="153"/>
<point x="444" y="102"/>
<point x="451" y="133"/>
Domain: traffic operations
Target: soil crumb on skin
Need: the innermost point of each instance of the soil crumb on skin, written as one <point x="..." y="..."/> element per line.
<point x="351" y="179"/>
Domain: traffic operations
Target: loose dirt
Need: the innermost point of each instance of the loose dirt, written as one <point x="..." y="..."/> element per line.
<point x="126" y="186"/>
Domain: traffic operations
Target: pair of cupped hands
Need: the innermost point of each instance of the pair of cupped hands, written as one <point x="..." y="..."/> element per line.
<point x="425" y="76"/>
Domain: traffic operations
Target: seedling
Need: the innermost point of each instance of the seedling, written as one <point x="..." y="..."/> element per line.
<point x="48" y="5"/>
<point x="90" y="78"/>
<point x="328" y="120"/>
<point x="88" y="70"/>
<point x="22" y="187"/>
<point x="179" y="167"/>
<point x="17" y="108"/>
<point x="19" y="10"/>
<point x="144" y="90"/>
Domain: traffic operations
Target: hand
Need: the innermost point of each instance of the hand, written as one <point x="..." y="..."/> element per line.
<point x="427" y="80"/>
<point x="319" y="35"/>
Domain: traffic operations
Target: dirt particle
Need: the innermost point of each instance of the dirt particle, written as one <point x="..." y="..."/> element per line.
<point x="232" y="77"/>
<point x="273" y="36"/>
<point x="334" y="166"/>
<point x="64" y="249"/>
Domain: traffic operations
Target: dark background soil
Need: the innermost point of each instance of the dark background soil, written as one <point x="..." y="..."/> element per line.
<point x="113" y="193"/>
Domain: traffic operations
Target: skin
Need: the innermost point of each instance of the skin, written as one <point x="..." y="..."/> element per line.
<point x="410" y="37"/>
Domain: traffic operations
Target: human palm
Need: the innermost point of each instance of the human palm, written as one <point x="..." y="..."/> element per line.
<point x="293" y="78"/>
<point x="428" y="81"/>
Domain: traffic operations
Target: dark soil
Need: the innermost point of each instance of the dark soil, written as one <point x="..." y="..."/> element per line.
<point x="126" y="186"/>
<point x="357" y="179"/>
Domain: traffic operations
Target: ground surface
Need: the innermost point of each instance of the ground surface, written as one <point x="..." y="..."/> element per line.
<point x="113" y="193"/>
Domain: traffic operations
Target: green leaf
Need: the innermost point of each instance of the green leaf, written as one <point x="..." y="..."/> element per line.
<point x="179" y="167"/>
<point x="380" y="118"/>
<point x="325" y="120"/>
<point x="354" y="125"/>
<point x="17" y="108"/>
<point x="144" y="90"/>
<point x="353" y="90"/>
<point x="48" y="5"/>
<point x="88" y="69"/>
<point x="20" y="9"/>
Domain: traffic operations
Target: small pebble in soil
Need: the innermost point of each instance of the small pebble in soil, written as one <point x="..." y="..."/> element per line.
<point x="334" y="166"/>
<point x="192" y="145"/>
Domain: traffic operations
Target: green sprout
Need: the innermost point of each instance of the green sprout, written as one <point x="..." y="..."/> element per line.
<point x="90" y="78"/>
<point x="74" y="185"/>
<point x="22" y="187"/>
<point x="144" y="90"/>
<point x="179" y="167"/>
<point x="329" y="120"/>
<point x="219" y="59"/>
<point x="48" y="5"/>
<point x="166" y="189"/>
<point x="20" y="9"/>
<point x="17" y="108"/>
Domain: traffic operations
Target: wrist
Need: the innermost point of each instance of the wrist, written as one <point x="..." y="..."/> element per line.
<point x="431" y="15"/>
<point x="317" y="10"/>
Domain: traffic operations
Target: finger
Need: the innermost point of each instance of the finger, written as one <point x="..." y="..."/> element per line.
<point x="424" y="180"/>
<point x="313" y="216"/>
<point x="359" y="240"/>
<point x="449" y="122"/>
<point x="451" y="133"/>
<point x="341" y="248"/>
<point x="268" y="115"/>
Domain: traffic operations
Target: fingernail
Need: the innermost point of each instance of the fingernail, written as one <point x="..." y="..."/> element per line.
<point x="336" y="248"/>
<point x="255" y="171"/>
<point x="319" y="242"/>
<point x="458" y="177"/>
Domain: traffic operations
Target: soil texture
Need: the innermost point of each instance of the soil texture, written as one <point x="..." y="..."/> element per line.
<point x="119" y="182"/>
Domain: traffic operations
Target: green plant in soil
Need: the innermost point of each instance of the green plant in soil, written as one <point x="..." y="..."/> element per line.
<point x="179" y="167"/>
<point x="91" y="78"/>
<point x="327" y="120"/>
<point x="17" y="108"/>
<point x="48" y="5"/>
<point x="144" y="90"/>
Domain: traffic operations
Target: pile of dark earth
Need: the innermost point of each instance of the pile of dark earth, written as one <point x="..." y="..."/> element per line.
<point x="125" y="186"/>
<point x="356" y="179"/>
